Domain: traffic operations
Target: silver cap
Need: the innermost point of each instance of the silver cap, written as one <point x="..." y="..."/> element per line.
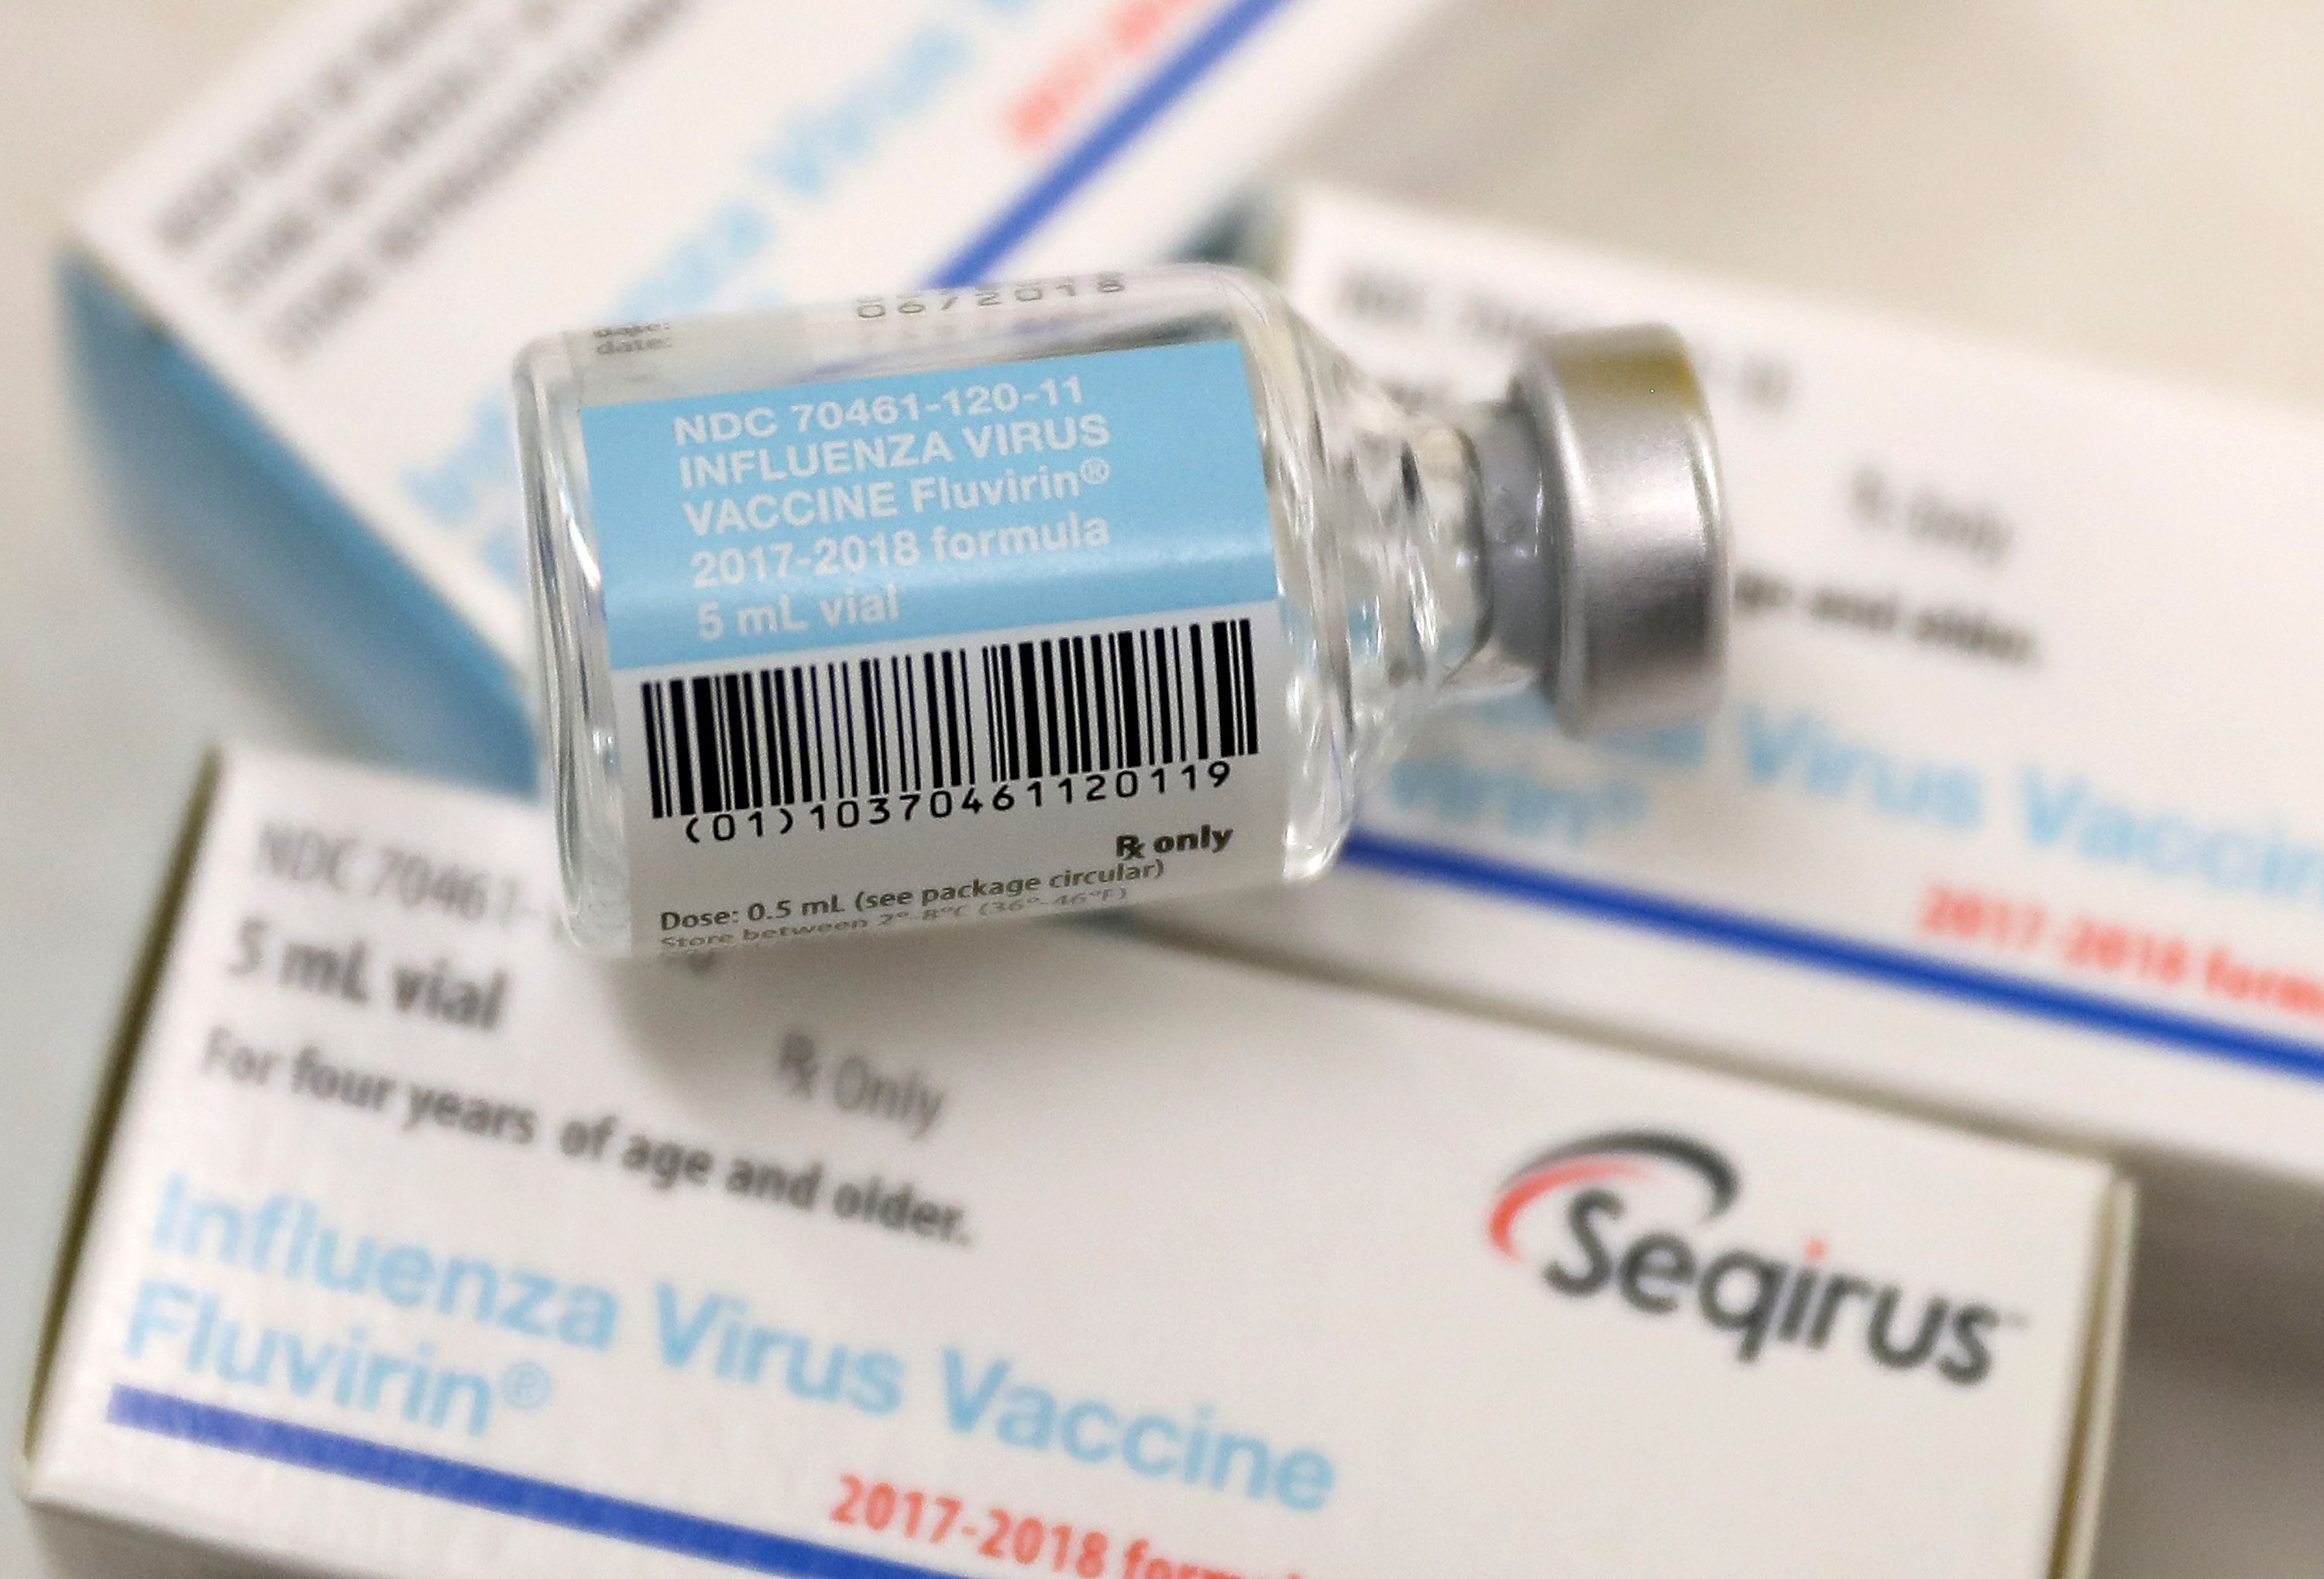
<point x="1606" y="530"/>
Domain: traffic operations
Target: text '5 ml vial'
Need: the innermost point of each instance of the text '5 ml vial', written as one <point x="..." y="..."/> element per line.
<point x="1023" y="600"/>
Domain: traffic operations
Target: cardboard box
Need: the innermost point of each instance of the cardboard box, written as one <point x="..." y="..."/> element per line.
<point x="2011" y="813"/>
<point x="340" y="248"/>
<point x="415" y="1244"/>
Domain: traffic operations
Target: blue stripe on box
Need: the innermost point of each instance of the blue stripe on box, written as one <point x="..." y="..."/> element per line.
<point x="1082" y="161"/>
<point x="449" y="1480"/>
<point x="1893" y="967"/>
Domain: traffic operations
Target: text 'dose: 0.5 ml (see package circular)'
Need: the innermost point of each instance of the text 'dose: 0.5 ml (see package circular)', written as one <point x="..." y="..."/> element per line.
<point x="1022" y="600"/>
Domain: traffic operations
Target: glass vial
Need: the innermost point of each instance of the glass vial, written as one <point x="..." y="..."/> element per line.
<point x="1022" y="600"/>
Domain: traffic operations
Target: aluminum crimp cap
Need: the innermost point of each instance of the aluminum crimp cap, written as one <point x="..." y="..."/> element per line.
<point x="1606" y="530"/>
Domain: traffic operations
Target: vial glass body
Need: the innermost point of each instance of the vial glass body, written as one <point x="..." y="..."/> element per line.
<point x="979" y="602"/>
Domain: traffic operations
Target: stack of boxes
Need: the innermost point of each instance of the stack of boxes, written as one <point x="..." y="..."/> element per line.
<point x="413" y="1243"/>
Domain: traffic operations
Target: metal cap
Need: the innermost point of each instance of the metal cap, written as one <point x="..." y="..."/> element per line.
<point x="1606" y="530"/>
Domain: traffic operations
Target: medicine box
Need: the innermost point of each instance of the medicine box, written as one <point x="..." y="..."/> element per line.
<point x="2012" y="811"/>
<point x="414" y="1244"/>
<point x="340" y="248"/>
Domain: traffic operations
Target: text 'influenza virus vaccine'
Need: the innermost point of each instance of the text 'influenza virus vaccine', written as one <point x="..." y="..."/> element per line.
<point x="1021" y="600"/>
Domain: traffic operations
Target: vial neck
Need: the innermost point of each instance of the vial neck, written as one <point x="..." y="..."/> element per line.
<point x="1414" y="580"/>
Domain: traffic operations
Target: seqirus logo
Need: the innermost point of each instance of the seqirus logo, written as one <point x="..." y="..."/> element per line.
<point x="1577" y="1212"/>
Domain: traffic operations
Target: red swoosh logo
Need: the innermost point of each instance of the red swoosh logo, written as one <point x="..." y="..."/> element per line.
<point x="1532" y="1187"/>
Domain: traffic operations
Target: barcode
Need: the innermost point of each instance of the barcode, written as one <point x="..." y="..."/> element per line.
<point x="950" y="719"/>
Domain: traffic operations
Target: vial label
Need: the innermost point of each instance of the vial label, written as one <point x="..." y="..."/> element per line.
<point x="942" y="646"/>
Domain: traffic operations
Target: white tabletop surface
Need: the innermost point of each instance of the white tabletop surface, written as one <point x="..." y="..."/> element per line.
<point x="2144" y="186"/>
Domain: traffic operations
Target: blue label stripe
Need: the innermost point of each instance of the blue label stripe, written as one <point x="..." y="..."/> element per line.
<point x="1156" y="502"/>
<point x="452" y="1480"/>
<point x="1895" y="967"/>
<point x="1082" y="162"/>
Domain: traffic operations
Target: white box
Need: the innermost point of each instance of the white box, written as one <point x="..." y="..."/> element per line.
<point x="418" y="1245"/>
<point x="2014" y="810"/>
<point x="344" y="243"/>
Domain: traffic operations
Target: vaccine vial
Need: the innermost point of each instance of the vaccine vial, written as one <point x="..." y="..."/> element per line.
<point x="1027" y="600"/>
